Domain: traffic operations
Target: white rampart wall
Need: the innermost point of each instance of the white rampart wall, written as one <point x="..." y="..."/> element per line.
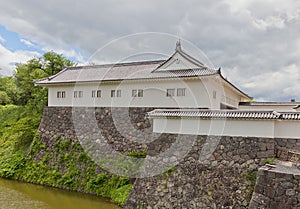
<point x="246" y="128"/>
<point x="198" y="94"/>
<point x="284" y="129"/>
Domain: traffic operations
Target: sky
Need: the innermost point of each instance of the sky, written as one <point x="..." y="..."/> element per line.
<point x="256" y="43"/>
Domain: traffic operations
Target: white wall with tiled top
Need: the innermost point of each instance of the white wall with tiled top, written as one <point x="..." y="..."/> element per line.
<point x="230" y="127"/>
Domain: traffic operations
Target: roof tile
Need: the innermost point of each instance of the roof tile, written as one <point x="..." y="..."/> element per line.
<point x="222" y="114"/>
<point x="121" y="71"/>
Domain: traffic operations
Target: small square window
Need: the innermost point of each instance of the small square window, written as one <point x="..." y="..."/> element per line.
<point x="118" y="93"/>
<point x="63" y="94"/>
<point x="134" y="93"/>
<point x="78" y="94"/>
<point x="170" y="92"/>
<point x="96" y="93"/>
<point x="137" y="93"/>
<point x="181" y="92"/>
<point x="140" y="93"/>
<point x="112" y="93"/>
<point x="115" y="93"/>
<point x="99" y="93"/>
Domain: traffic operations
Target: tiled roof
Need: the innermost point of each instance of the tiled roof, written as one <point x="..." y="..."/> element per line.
<point x="119" y="72"/>
<point x="269" y="103"/>
<point x="223" y="114"/>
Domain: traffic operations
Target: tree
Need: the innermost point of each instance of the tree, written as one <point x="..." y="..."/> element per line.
<point x="8" y="85"/>
<point x="37" y="68"/>
<point x="4" y="98"/>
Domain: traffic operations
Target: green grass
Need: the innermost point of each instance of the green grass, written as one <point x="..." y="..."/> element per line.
<point x="270" y="161"/>
<point x="250" y="177"/>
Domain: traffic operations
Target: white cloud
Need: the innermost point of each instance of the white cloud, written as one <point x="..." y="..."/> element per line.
<point x="267" y="14"/>
<point x="279" y="85"/>
<point x="269" y="22"/>
<point x="239" y="6"/>
<point x="9" y="59"/>
<point x="71" y="53"/>
<point x="251" y="40"/>
<point x="2" y="40"/>
<point x="26" y="42"/>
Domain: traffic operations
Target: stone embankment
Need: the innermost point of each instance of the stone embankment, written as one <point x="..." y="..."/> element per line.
<point x="212" y="171"/>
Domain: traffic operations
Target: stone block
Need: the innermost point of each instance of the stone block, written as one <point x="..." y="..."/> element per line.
<point x="271" y="174"/>
<point x="281" y="143"/>
<point x="279" y="191"/>
<point x="270" y="146"/>
<point x="292" y="201"/>
<point x="259" y="188"/>
<point x="262" y="154"/>
<point x="263" y="146"/>
<point x="290" y="192"/>
<point x="259" y="200"/>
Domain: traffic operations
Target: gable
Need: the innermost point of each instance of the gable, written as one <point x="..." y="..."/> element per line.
<point x="178" y="62"/>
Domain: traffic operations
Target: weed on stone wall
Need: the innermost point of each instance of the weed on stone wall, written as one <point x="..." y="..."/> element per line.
<point x="250" y="177"/>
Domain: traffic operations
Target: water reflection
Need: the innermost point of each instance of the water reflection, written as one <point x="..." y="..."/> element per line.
<point x="16" y="195"/>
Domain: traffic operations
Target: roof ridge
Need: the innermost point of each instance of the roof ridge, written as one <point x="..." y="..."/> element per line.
<point x="188" y="69"/>
<point x="117" y="64"/>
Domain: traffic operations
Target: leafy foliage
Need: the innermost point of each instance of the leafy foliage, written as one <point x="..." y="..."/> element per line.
<point x="9" y="91"/>
<point x="37" y="68"/>
<point x="4" y="98"/>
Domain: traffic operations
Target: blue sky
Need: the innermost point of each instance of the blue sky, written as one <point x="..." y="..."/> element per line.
<point x="13" y="41"/>
<point x="21" y="49"/>
<point x="256" y="43"/>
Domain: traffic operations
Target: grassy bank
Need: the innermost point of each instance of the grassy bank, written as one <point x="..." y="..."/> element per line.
<point x="23" y="156"/>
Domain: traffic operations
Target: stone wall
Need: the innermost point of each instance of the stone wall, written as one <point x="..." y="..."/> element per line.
<point x="212" y="172"/>
<point x="277" y="187"/>
<point x="125" y="129"/>
<point x="225" y="180"/>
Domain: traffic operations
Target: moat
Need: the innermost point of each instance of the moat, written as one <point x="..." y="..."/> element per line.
<point x="17" y="195"/>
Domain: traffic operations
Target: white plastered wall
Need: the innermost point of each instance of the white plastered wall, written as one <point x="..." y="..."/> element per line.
<point x="154" y="94"/>
<point x="245" y="128"/>
<point x="287" y="129"/>
<point x="219" y="127"/>
<point x="198" y="94"/>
